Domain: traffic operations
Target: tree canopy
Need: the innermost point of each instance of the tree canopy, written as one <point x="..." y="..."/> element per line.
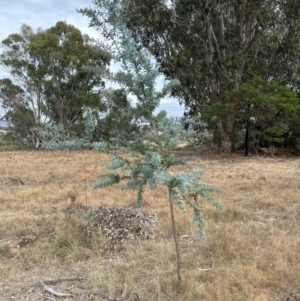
<point x="25" y="71"/>
<point x="52" y="69"/>
<point x="214" y="46"/>
<point x="263" y="110"/>
<point x="117" y="114"/>
<point x="68" y="58"/>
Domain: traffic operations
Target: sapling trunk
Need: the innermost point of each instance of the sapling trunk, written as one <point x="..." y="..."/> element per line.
<point x="178" y="257"/>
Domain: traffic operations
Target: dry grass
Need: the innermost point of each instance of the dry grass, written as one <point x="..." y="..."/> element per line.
<point x="252" y="250"/>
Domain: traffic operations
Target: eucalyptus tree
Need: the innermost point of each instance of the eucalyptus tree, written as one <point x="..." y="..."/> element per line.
<point x="150" y="152"/>
<point x="17" y="112"/>
<point x="11" y="95"/>
<point x="264" y="110"/>
<point x="53" y="67"/>
<point x="69" y="85"/>
<point x="26" y="73"/>
<point x="115" y="115"/>
<point x="213" y="46"/>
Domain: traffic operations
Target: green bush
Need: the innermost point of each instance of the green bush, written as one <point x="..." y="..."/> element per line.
<point x="190" y="144"/>
<point x="9" y="148"/>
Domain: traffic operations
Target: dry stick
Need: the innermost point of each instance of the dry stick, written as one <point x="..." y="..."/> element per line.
<point x="204" y="270"/>
<point x="51" y="291"/>
<point x="55" y="281"/>
<point x="179" y="284"/>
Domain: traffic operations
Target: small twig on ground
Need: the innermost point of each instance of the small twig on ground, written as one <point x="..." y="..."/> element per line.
<point x="51" y="291"/>
<point x="204" y="270"/>
<point x="105" y="297"/>
<point x="55" y="281"/>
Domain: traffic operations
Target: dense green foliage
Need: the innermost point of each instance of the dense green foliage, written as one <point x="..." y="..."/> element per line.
<point x="214" y="46"/>
<point x="263" y="110"/>
<point x="26" y="90"/>
<point x="50" y="78"/>
<point x="117" y="115"/>
<point x="18" y="111"/>
<point x="69" y="85"/>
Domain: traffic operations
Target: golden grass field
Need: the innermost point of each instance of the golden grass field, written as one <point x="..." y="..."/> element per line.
<point x="252" y="250"/>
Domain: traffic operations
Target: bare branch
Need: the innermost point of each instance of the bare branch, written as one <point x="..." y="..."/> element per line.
<point x="51" y="291"/>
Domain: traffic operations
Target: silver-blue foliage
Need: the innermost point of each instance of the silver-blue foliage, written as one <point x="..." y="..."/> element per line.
<point x="147" y="155"/>
<point x="54" y="136"/>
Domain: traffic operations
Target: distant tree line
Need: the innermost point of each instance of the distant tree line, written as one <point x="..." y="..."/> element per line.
<point x="237" y="63"/>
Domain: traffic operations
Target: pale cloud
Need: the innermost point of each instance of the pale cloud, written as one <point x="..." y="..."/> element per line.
<point x="41" y="13"/>
<point x="43" y="2"/>
<point x="45" y="13"/>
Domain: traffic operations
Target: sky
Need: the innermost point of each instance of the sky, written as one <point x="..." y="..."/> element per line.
<point x="44" y="14"/>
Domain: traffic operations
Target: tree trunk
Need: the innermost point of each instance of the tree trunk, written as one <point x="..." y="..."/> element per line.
<point x="226" y="141"/>
<point x="178" y="257"/>
<point x="68" y="131"/>
<point x="247" y="139"/>
<point x="247" y="132"/>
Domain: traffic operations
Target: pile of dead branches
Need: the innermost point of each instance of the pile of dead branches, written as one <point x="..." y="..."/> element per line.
<point x="120" y="225"/>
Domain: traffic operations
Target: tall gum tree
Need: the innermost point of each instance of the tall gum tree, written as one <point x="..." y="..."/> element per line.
<point x="26" y="74"/>
<point x="213" y="46"/>
<point x="68" y="57"/>
<point x="53" y="68"/>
